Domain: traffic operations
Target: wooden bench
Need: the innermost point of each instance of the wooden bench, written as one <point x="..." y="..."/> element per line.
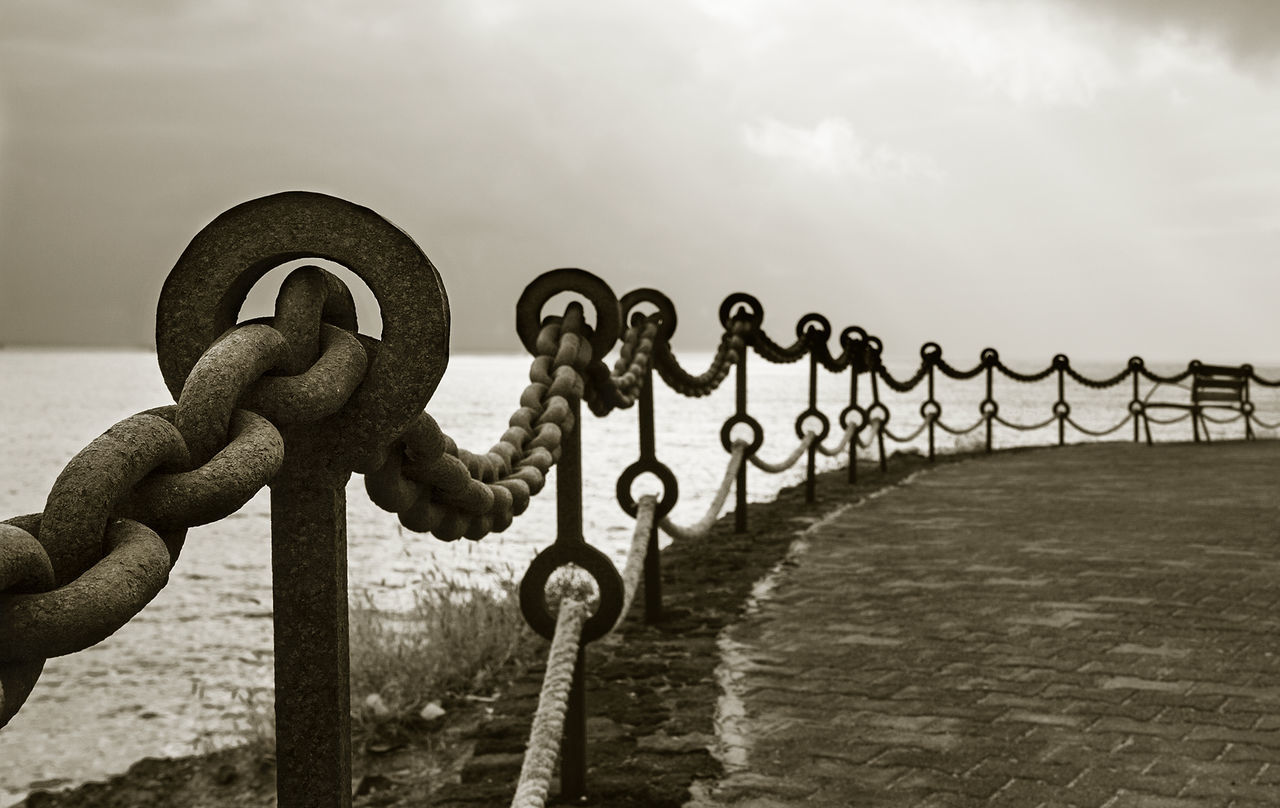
<point x="1212" y="387"/>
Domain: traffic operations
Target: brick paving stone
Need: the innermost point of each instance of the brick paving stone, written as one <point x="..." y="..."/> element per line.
<point x="1093" y="626"/>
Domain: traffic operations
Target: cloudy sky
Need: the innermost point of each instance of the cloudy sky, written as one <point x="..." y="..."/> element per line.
<point x="1100" y="177"/>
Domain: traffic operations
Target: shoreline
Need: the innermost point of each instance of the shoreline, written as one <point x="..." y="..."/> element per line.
<point x="652" y="692"/>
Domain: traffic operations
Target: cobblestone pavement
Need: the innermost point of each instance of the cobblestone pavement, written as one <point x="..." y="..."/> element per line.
<point x="1091" y="626"/>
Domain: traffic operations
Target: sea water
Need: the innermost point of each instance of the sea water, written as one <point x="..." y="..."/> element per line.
<point x="164" y="684"/>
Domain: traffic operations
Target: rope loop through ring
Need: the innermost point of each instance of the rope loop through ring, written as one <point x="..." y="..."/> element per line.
<point x="670" y="487"/>
<point x="853" y="410"/>
<point x="930" y="410"/>
<point x="879" y="412"/>
<point x="533" y="588"/>
<point x="989" y="408"/>
<point x="822" y="433"/>
<point x="1061" y="409"/>
<point x="757" y="433"/>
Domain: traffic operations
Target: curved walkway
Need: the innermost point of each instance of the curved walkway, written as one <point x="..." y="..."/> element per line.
<point x="1091" y="626"/>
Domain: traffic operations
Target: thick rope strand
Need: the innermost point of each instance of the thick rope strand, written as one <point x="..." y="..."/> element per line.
<point x="553" y="702"/>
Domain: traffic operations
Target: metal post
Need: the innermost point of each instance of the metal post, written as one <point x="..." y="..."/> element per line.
<point x="313" y="691"/>
<point x="932" y="400"/>
<point x="1137" y="403"/>
<point x="810" y="489"/>
<point x="988" y="415"/>
<point x="573" y="741"/>
<point x="853" y="440"/>
<point x="1062" y="400"/>
<point x="875" y="403"/>
<point x="740" y="400"/>
<point x="652" y="560"/>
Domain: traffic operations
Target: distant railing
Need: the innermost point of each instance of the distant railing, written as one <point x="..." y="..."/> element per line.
<point x="300" y="400"/>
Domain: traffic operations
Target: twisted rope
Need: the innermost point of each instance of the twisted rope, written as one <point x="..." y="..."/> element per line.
<point x="788" y="461"/>
<point x="1182" y="417"/>
<point x="1101" y="433"/>
<point x="875" y="426"/>
<point x="1230" y="420"/>
<point x="700" y="528"/>
<point x="907" y="438"/>
<point x="1259" y="422"/>
<point x="839" y="447"/>
<point x="553" y="702"/>
<point x="634" y="569"/>
<point x="981" y="420"/>
<point x="1026" y="427"/>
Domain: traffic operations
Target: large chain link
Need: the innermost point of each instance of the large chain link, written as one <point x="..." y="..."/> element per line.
<point x="116" y="517"/>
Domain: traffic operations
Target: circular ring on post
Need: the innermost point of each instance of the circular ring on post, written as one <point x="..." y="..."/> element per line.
<point x="822" y="419"/>
<point x="533" y="588"/>
<point x="878" y="412"/>
<point x="203" y="294"/>
<point x="930" y="410"/>
<point x="755" y="311"/>
<point x="549" y="284"/>
<point x="1062" y="409"/>
<point x="1136" y="408"/>
<point x="852" y="410"/>
<point x="757" y="433"/>
<point x="813" y="326"/>
<point x="670" y="488"/>
<point x="1061" y="361"/>
<point x="989" y="408"/>
<point x="1194" y="365"/>
<point x="1136" y="363"/>
<point x="666" y="310"/>
<point x="1247" y="407"/>
<point x="930" y="353"/>
<point x="990" y="357"/>
<point x="851" y="335"/>
<point x="876" y="346"/>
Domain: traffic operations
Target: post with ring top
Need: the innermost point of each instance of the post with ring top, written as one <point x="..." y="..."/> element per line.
<point x="570" y="546"/>
<point x="877" y="407"/>
<point x="648" y="460"/>
<point x="740" y="306"/>
<point x="814" y="330"/>
<point x="323" y="445"/>
<point x="1135" y="404"/>
<point x="989" y="408"/>
<point x="1060" y="408"/>
<point x="854" y="341"/>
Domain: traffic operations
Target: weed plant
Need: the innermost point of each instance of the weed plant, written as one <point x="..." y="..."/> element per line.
<point x="459" y="638"/>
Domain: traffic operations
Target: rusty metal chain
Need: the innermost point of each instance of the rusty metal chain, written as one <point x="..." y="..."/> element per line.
<point x="435" y="487"/>
<point x="116" y="517"/>
<point x="732" y="343"/>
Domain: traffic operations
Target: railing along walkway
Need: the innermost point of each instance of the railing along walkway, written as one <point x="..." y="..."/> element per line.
<point x="1094" y="625"/>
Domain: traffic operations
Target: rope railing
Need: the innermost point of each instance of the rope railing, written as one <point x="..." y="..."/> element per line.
<point x="788" y="461"/>
<point x="301" y="400"/>
<point x="553" y="703"/>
